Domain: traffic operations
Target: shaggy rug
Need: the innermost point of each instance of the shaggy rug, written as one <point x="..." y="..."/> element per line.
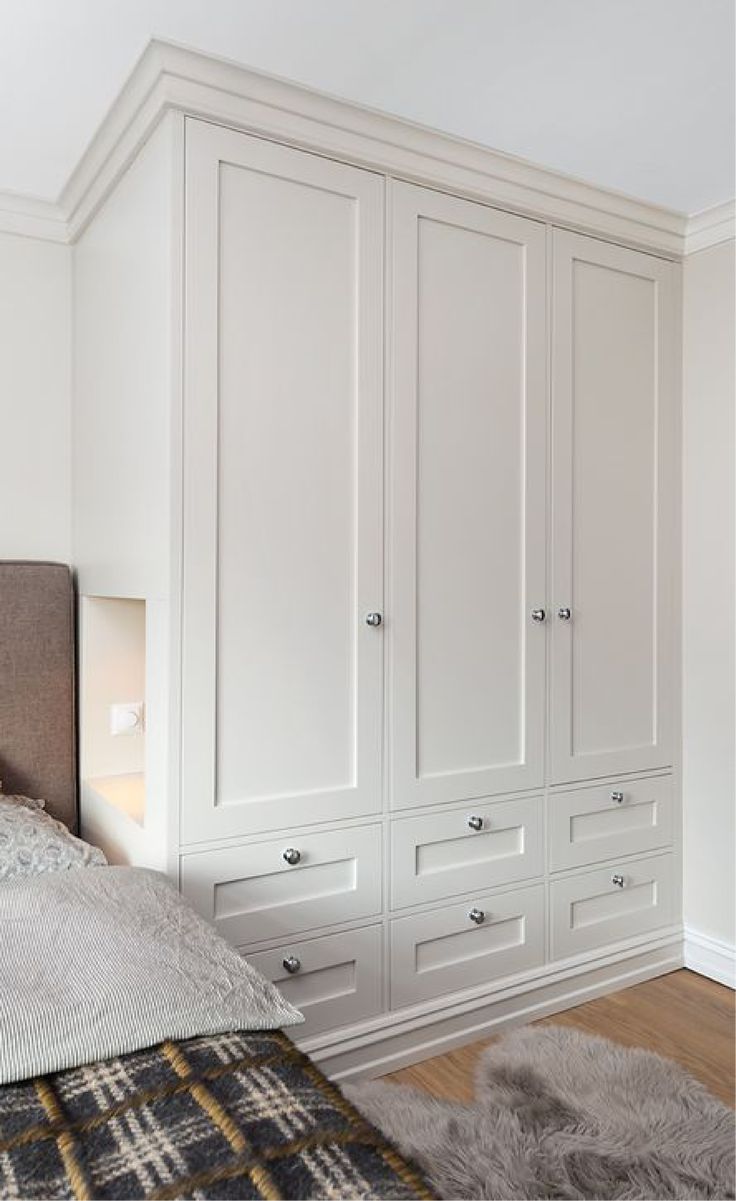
<point x="561" y="1114"/>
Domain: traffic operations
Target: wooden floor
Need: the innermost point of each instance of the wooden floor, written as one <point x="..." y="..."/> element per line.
<point x="682" y="1016"/>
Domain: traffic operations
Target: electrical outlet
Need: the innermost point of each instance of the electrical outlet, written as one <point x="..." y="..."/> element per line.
<point x="126" y="718"/>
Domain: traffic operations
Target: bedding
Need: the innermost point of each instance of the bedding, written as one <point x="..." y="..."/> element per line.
<point x="229" y="1116"/>
<point x="112" y="959"/>
<point x="110" y="962"/>
<point x="33" y="842"/>
<point x="139" y="1057"/>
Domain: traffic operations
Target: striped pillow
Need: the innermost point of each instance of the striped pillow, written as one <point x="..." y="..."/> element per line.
<point x="99" y="963"/>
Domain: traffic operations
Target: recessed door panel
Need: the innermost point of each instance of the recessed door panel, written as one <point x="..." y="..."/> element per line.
<point x="613" y="514"/>
<point x="467" y="499"/>
<point x="282" y="556"/>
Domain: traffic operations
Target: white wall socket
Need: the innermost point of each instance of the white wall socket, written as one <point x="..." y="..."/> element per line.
<point x="126" y="718"/>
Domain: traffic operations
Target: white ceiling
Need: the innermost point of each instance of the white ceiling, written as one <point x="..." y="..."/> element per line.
<point x="636" y="95"/>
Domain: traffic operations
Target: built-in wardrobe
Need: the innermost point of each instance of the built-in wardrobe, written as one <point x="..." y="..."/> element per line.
<point x="403" y="522"/>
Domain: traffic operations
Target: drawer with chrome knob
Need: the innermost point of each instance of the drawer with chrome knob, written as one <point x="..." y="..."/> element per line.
<point x="258" y="892"/>
<point x="458" y="947"/>
<point x="604" y="822"/>
<point x="611" y="903"/>
<point x="465" y="851"/>
<point x="334" y="979"/>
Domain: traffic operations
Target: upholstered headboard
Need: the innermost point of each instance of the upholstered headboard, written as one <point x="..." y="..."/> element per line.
<point x="37" y="685"/>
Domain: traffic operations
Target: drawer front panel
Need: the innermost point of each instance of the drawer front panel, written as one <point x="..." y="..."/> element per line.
<point x="251" y="893"/>
<point x="337" y="978"/>
<point x="445" y="951"/>
<point x="442" y="854"/>
<point x="613" y="903"/>
<point x="590" y="825"/>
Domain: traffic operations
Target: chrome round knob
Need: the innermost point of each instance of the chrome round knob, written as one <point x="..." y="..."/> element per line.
<point x="475" y="823"/>
<point x="617" y="798"/>
<point x="617" y="880"/>
<point x="373" y="619"/>
<point x="477" y="916"/>
<point x="564" y="614"/>
<point x="538" y="614"/>
<point x="292" y="964"/>
<point x="292" y="856"/>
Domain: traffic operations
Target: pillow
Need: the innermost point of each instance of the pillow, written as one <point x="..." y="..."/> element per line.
<point x="32" y="842"/>
<point x="111" y="960"/>
<point x="16" y="799"/>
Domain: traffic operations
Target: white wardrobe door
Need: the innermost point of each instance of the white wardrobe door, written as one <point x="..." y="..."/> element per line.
<point x="613" y="509"/>
<point x="467" y="509"/>
<point x="282" y="487"/>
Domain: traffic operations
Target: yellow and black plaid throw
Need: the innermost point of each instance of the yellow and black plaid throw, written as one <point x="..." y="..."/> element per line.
<point x="232" y="1115"/>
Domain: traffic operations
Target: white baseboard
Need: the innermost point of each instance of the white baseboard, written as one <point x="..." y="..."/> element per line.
<point x="710" y="957"/>
<point x="377" y="1046"/>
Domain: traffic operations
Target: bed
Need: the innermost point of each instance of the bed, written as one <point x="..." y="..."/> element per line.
<point x="222" y="1113"/>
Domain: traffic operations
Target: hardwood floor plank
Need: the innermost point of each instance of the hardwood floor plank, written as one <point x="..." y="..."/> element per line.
<point x="682" y="1016"/>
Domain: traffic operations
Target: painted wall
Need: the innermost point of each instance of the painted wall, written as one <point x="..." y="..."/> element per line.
<point x="709" y="611"/>
<point x="35" y="399"/>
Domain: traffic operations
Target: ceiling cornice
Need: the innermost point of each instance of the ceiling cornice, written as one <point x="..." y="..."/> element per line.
<point x="32" y="218"/>
<point x="711" y="226"/>
<point x="169" y="77"/>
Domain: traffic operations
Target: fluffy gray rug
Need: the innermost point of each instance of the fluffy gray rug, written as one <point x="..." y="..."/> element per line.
<point x="561" y="1114"/>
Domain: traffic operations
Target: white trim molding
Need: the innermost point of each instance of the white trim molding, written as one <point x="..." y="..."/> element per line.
<point x="28" y="217"/>
<point x="710" y="957"/>
<point x="198" y="85"/>
<point x="711" y="226"/>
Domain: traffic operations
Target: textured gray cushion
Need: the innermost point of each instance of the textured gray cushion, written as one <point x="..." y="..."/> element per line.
<point x="32" y="842"/>
<point x="26" y="801"/>
<point x="110" y="960"/>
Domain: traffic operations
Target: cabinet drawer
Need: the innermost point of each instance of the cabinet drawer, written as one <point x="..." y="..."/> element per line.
<point x="589" y="825"/>
<point x="612" y="903"/>
<point x="442" y="854"/>
<point x="335" y="979"/>
<point x="251" y="893"/>
<point x="445" y="951"/>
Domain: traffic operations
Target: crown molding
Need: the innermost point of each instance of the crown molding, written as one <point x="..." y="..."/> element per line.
<point x="711" y="226"/>
<point x="170" y="77"/>
<point x="28" y="217"/>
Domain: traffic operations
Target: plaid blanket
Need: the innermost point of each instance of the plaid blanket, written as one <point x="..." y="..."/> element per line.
<point x="232" y="1115"/>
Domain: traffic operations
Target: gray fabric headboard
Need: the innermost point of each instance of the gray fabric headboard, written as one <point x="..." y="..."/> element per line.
<point x="37" y="689"/>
